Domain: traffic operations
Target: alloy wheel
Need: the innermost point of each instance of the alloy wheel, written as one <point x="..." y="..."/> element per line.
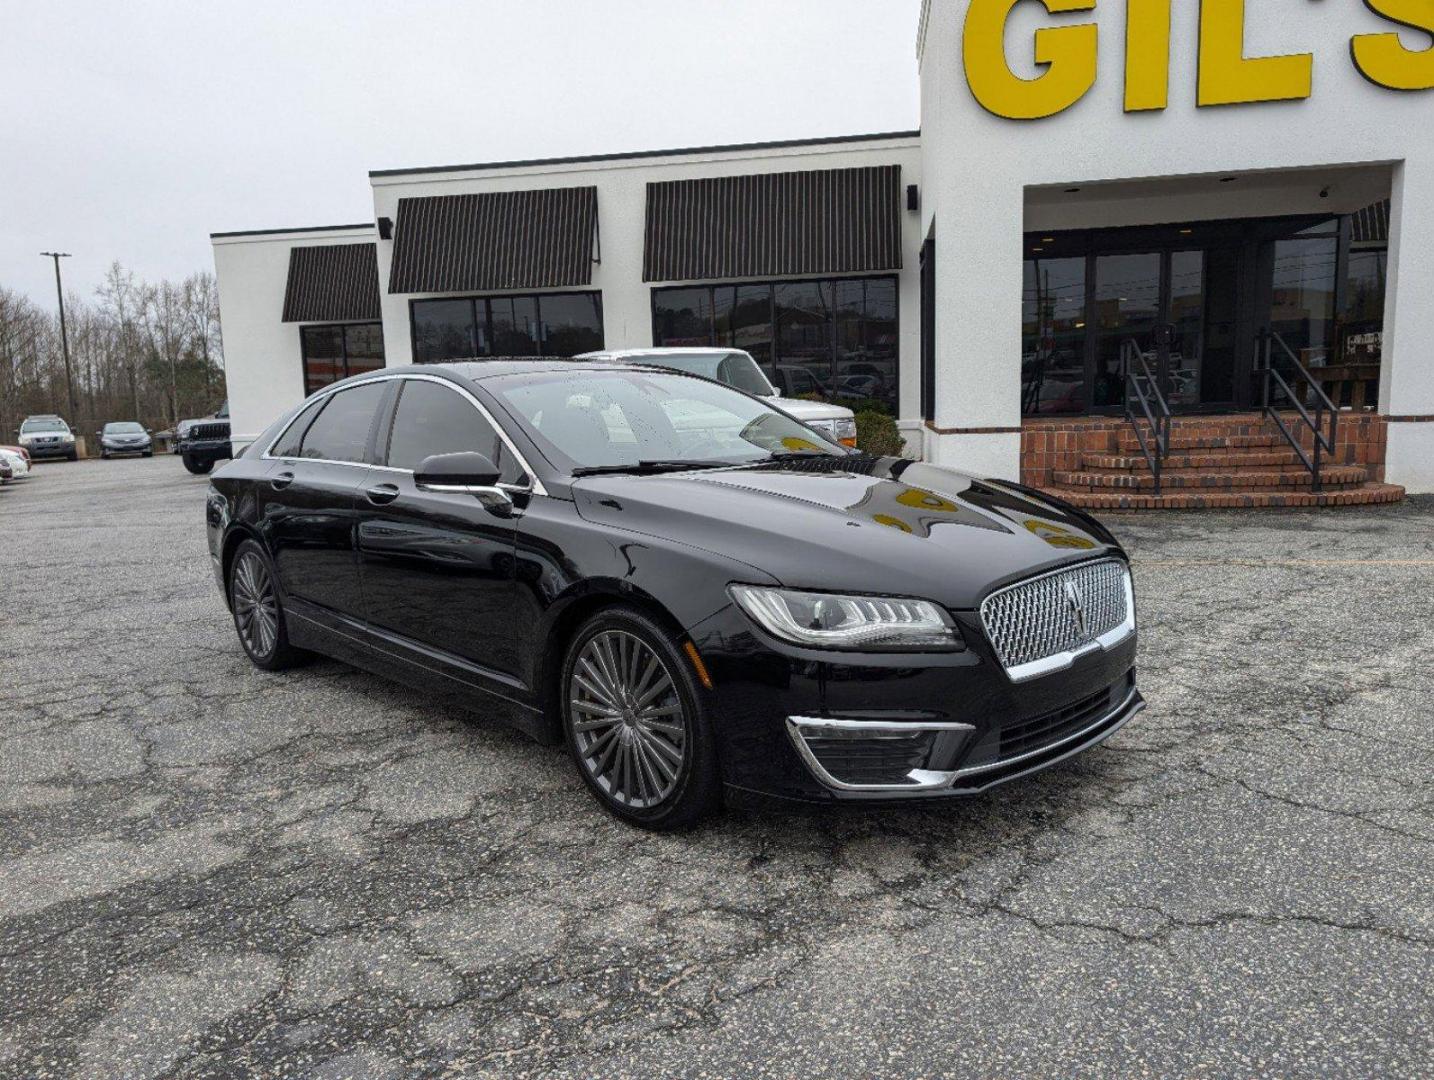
<point x="256" y="608"/>
<point x="628" y="721"/>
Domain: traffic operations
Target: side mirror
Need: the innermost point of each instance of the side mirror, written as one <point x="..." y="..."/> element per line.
<point x="467" y="473"/>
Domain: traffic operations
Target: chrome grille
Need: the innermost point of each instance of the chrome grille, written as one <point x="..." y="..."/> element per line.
<point x="1057" y="614"/>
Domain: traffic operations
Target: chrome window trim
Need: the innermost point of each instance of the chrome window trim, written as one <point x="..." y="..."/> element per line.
<point x="536" y="487"/>
<point x="1060" y="661"/>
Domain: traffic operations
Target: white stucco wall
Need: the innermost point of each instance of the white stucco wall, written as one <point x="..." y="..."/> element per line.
<point x="979" y="170"/>
<point x="263" y="366"/>
<point x="621" y="196"/>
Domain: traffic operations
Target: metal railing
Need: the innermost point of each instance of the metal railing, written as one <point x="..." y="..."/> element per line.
<point x="1153" y="407"/>
<point x="1269" y="339"/>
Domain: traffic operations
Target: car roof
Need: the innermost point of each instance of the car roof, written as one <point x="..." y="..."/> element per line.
<point x="695" y="350"/>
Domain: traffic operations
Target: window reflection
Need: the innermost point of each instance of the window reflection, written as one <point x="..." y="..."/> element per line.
<point x="833" y="339"/>
<point x="548" y="324"/>
<point x="1053" y="337"/>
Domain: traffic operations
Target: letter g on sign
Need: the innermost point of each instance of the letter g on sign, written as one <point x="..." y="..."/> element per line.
<point x="1067" y="52"/>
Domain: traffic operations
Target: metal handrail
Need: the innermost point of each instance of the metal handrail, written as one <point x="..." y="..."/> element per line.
<point x="1152" y="404"/>
<point x="1269" y="339"/>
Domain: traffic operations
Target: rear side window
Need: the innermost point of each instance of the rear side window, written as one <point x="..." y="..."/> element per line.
<point x="434" y="419"/>
<point x="293" y="437"/>
<point x="340" y="431"/>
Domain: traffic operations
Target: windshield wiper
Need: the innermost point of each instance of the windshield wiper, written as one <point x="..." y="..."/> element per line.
<point x="650" y="466"/>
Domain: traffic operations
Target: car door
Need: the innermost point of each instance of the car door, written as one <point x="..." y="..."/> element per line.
<point x="438" y="567"/>
<point x="309" y="501"/>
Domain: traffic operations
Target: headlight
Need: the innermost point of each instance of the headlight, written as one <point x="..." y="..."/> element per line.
<point x="829" y="621"/>
<point x="845" y="430"/>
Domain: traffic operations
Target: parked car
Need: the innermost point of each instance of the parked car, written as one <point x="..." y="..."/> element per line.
<point x="17" y="463"/>
<point x="125" y="437"/>
<point x="204" y="441"/>
<point x="737" y="368"/>
<point x="6" y="473"/>
<point x="747" y="607"/>
<point x="48" y="436"/>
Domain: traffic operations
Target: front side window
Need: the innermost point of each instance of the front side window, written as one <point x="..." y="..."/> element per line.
<point x="435" y="419"/>
<point x="340" y="431"/>
<point x="335" y="352"/>
<point x="616" y="418"/>
<point x="549" y="324"/>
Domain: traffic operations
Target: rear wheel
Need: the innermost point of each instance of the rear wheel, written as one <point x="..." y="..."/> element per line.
<point x="635" y="724"/>
<point x="196" y="466"/>
<point x="258" y="612"/>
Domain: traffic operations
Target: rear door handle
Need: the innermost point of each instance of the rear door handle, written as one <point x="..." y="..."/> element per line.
<point x="283" y="480"/>
<point x="382" y="494"/>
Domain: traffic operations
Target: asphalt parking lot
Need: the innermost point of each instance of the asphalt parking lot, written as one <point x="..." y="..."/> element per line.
<point x="210" y="871"/>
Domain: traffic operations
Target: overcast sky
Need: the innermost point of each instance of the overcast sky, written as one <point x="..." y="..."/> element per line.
<point x="132" y="130"/>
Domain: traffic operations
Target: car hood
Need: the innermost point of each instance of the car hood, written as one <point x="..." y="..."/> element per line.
<point x="810" y="410"/>
<point x="868" y="526"/>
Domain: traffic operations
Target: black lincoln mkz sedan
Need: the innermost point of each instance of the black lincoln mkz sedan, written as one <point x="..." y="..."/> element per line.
<point x="692" y="590"/>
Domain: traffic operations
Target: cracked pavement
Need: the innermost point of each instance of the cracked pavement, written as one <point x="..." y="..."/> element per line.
<point x="210" y="871"/>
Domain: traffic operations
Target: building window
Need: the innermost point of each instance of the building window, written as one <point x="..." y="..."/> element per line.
<point x="832" y="338"/>
<point x="339" y="350"/>
<point x="1053" y="337"/>
<point x="551" y="324"/>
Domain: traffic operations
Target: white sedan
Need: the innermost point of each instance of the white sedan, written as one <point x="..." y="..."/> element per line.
<point x="19" y="467"/>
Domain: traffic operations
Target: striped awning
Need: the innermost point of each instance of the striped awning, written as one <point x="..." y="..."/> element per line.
<point x="774" y="224"/>
<point x="495" y="240"/>
<point x="332" y="283"/>
<point x="1371" y="225"/>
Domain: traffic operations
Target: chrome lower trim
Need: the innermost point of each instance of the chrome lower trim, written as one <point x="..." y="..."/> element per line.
<point x="920" y="779"/>
<point x="925" y="780"/>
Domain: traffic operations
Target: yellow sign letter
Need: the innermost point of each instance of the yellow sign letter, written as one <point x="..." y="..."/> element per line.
<point x="1227" y="77"/>
<point x="1069" y="52"/>
<point x="1147" y="55"/>
<point x="1383" y="59"/>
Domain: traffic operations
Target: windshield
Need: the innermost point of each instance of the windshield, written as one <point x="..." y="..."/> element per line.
<point x="43" y="425"/>
<point x="222" y="413"/>
<point x="124" y="427"/>
<point x="614" y="418"/>
<point x="735" y="369"/>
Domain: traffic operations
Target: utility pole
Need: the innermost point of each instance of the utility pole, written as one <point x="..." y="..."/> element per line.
<point x="64" y="334"/>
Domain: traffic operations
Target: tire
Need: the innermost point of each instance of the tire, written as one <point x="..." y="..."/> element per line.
<point x="73" y="455"/>
<point x="258" y="612"/>
<point x="656" y="765"/>
<point x="149" y="453"/>
<point x="104" y="456"/>
<point x="197" y="467"/>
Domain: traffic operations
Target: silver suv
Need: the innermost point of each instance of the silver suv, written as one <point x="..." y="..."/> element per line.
<point x="737" y="368"/>
<point x="48" y="436"/>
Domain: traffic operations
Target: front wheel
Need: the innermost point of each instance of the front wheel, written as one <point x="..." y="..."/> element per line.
<point x="258" y="611"/>
<point x="149" y="453"/>
<point x="196" y="466"/>
<point x="634" y="722"/>
<point x="73" y="455"/>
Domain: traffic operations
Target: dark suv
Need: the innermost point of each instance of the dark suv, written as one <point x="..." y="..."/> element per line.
<point x="204" y="441"/>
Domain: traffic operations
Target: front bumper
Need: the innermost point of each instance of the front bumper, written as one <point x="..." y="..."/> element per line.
<point x="127" y="448"/>
<point x="206" y="449"/>
<point x="50" y="450"/>
<point x="817" y="726"/>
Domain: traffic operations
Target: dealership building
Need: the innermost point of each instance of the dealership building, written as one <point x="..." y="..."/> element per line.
<point x="1109" y="211"/>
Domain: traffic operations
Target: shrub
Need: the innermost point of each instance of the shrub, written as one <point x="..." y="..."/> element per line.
<point x="878" y="435"/>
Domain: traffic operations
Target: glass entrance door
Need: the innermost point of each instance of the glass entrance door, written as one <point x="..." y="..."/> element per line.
<point x="1129" y="305"/>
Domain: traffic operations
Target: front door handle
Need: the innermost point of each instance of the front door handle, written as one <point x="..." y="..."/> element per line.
<point x="381" y="494"/>
<point x="283" y="480"/>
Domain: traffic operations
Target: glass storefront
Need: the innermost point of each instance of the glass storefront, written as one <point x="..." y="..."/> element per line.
<point x="549" y="324"/>
<point x="336" y="351"/>
<point x="833" y="339"/>
<point x="1188" y="303"/>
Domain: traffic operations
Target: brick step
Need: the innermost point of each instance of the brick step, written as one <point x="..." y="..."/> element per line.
<point x="1339" y="476"/>
<point x="1222" y="458"/>
<point x="1363" y="495"/>
<point x="1128" y="443"/>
